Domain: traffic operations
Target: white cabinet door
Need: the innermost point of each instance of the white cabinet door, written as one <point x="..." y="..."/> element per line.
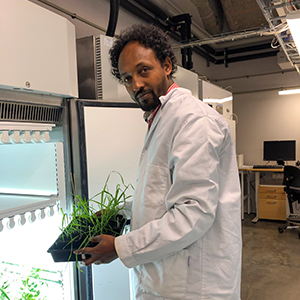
<point x="114" y="140"/>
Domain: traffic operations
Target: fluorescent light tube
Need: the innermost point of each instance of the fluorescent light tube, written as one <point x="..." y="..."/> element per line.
<point x="293" y="20"/>
<point x="289" y="92"/>
<point x="218" y="100"/>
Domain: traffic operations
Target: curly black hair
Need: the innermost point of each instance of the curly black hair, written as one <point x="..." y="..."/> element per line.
<point x="149" y="36"/>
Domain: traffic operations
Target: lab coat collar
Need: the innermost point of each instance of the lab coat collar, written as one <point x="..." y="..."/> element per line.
<point x="163" y="99"/>
<point x="153" y="125"/>
<point x="174" y="92"/>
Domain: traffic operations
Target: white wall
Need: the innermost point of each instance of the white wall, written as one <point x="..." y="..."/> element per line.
<point x="262" y="113"/>
<point x="265" y="116"/>
<point x="253" y="75"/>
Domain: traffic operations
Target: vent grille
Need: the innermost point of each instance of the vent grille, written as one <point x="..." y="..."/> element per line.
<point x="24" y="112"/>
<point x="98" y="69"/>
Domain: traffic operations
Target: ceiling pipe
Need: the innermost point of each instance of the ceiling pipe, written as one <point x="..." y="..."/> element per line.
<point x="268" y="17"/>
<point x="285" y="4"/>
<point x="206" y="53"/>
<point x="252" y="76"/>
<point x="182" y="23"/>
<point x="246" y="57"/>
<point x="113" y="17"/>
<point x="141" y="14"/>
<point x="196" y="29"/>
<point x="245" y="49"/>
<point x="228" y="37"/>
<point x="146" y="17"/>
<point x="154" y="9"/>
<point x="160" y="14"/>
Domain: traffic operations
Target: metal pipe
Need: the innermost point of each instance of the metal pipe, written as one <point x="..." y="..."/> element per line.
<point x="278" y="18"/>
<point x="226" y="38"/>
<point x="72" y="15"/>
<point x="144" y="16"/>
<point x="248" y="57"/>
<point x="225" y="58"/>
<point x="282" y="5"/>
<point x="113" y="17"/>
<point x="245" y="49"/>
<point x="141" y="14"/>
<point x="160" y="14"/>
<point x="204" y="54"/>
<point x="199" y="31"/>
<point x="250" y="76"/>
<point x="153" y="9"/>
<point x="268" y="17"/>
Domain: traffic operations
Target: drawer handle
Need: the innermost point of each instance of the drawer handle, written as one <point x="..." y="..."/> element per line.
<point x="271" y="190"/>
<point x="271" y="196"/>
<point x="271" y="202"/>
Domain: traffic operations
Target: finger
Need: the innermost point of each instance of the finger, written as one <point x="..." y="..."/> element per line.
<point x="100" y="212"/>
<point x="95" y="239"/>
<point x="87" y="250"/>
<point x="91" y="260"/>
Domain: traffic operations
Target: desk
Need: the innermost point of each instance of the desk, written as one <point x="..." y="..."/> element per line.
<point x="244" y="171"/>
<point x="257" y="182"/>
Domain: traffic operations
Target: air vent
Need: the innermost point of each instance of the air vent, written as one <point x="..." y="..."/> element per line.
<point x="11" y="111"/>
<point x="95" y="80"/>
<point x="98" y="68"/>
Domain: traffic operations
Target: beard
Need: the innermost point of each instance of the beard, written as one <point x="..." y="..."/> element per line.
<point x="151" y="103"/>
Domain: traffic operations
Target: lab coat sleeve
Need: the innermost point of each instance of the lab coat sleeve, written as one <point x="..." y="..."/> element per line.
<point x="192" y="198"/>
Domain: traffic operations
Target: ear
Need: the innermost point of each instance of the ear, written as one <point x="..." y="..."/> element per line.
<point x="168" y="66"/>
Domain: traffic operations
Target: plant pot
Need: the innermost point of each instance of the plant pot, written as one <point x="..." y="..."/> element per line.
<point x="62" y="249"/>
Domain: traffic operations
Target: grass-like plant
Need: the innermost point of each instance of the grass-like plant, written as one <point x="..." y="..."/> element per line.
<point x="94" y="217"/>
<point x="3" y="295"/>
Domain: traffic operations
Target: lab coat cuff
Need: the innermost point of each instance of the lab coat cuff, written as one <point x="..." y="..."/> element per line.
<point x="124" y="252"/>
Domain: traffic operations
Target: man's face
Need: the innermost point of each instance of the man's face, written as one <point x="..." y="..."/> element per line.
<point x="145" y="78"/>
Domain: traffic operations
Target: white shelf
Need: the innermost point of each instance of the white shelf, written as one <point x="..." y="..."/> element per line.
<point x="11" y="205"/>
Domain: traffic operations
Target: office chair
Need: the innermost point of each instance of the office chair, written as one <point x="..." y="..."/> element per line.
<point x="291" y="180"/>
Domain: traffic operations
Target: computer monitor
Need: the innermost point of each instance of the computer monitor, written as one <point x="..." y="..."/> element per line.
<point x="280" y="151"/>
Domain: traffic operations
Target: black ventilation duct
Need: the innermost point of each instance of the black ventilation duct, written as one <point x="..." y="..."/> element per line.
<point x="113" y="17"/>
<point x="182" y="23"/>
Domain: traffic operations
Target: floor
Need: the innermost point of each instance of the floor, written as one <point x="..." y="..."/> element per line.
<point x="271" y="261"/>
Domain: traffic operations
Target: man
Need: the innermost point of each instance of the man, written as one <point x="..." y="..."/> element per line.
<point x="185" y="239"/>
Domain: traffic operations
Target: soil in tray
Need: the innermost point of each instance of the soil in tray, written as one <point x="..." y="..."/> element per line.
<point x="62" y="249"/>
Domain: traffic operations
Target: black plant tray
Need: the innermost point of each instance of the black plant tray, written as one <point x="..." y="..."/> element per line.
<point x="62" y="249"/>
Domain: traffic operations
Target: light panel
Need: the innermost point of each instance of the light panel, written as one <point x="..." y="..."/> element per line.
<point x="289" y="92"/>
<point x="218" y="100"/>
<point x="293" y="20"/>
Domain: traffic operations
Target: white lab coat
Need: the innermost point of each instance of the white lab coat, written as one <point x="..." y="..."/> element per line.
<point x="185" y="240"/>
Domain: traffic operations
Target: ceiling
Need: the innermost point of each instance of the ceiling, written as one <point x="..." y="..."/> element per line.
<point x="224" y="31"/>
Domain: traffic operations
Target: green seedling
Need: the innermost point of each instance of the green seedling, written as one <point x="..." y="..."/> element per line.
<point x="94" y="217"/>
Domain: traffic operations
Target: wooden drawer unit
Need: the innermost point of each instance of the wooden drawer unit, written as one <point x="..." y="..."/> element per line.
<point x="272" y="203"/>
